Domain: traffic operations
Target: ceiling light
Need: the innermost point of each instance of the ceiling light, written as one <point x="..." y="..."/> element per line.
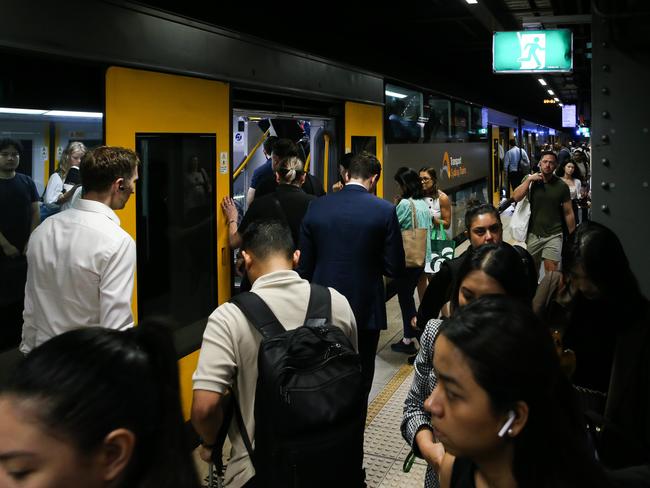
<point x="395" y="94"/>
<point x="561" y="104"/>
<point x="472" y="2"/>
<point x="26" y="111"/>
<point x="69" y="113"/>
<point x="541" y="81"/>
<point x="550" y="92"/>
<point x="557" y="99"/>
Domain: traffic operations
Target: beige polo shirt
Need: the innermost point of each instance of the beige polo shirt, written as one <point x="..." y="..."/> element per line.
<point x="230" y="346"/>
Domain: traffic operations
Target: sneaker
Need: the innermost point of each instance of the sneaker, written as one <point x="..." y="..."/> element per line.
<point x="405" y="348"/>
<point x="411" y="359"/>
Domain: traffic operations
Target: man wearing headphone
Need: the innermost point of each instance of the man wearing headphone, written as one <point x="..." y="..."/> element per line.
<point x="80" y="261"/>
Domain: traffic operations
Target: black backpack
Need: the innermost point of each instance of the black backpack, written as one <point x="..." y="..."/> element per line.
<point x="309" y="403"/>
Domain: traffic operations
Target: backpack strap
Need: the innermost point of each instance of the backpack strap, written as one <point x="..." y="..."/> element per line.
<point x="319" y="310"/>
<point x="258" y="313"/>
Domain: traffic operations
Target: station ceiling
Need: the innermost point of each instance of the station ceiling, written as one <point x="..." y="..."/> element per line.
<point x="444" y="45"/>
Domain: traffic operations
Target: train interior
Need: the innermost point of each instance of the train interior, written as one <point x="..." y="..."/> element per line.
<point x="316" y="137"/>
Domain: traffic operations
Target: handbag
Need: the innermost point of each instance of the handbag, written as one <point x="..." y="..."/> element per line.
<point x="520" y="219"/>
<point x="442" y="249"/>
<point x="415" y="242"/>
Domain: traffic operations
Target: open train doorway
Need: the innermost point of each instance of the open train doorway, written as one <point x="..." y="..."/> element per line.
<point x="315" y="137"/>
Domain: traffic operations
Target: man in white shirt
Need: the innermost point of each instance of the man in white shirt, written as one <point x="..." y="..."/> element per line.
<point x="230" y="345"/>
<point x="81" y="262"/>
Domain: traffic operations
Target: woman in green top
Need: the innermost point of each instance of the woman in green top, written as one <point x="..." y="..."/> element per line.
<point x="411" y="195"/>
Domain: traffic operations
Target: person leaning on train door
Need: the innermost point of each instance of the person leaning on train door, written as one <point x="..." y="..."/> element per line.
<point x="81" y="262"/>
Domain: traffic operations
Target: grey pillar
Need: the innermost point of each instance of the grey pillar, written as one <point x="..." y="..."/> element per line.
<point x="621" y="134"/>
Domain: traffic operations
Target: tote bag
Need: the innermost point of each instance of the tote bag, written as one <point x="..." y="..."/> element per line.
<point x="520" y="219"/>
<point x="442" y="249"/>
<point x="415" y="242"/>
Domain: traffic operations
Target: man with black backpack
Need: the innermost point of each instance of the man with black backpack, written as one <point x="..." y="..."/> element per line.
<point x="287" y="351"/>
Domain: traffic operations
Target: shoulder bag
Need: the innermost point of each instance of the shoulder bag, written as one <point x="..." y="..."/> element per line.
<point x="520" y="219"/>
<point x="415" y="242"/>
<point x="442" y="249"/>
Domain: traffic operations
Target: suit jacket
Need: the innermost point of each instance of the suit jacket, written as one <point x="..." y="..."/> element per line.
<point x="348" y="240"/>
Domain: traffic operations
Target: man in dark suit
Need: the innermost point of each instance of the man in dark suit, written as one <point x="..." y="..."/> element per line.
<point x="348" y="240"/>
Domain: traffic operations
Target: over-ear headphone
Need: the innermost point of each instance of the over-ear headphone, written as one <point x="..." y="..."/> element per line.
<point x="511" y="418"/>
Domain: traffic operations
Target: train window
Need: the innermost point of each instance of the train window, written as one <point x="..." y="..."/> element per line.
<point x="437" y="127"/>
<point x="461" y="121"/>
<point x="477" y="129"/>
<point x="404" y="114"/>
<point x="477" y="190"/>
<point x="44" y="135"/>
<point x="177" y="270"/>
<point x="364" y="143"/>
<point x="40" y="138"/>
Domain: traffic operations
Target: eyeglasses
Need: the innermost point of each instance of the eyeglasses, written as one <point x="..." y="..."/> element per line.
<point x="425" y="178"/>
<point x="9" y="154"/>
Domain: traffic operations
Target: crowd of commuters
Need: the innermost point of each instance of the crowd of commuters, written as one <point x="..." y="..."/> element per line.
<point x="96" y="402"/>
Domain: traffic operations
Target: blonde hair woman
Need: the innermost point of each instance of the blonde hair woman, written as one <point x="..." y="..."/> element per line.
<point x="55" y="192"/>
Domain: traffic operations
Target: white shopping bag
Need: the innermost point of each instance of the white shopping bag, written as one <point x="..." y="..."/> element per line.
<point x="520" y="219"/>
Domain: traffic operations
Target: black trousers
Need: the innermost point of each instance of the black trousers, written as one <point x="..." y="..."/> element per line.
<point x="514" y="178"/>
<point x="368" y="340"/>
<point x="11" y="325"/>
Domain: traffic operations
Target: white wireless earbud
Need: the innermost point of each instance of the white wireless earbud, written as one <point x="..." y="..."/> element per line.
<point x="508" y="423"/>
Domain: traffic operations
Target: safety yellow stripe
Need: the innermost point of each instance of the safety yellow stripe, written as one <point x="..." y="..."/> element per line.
<point x="389" y="390"/>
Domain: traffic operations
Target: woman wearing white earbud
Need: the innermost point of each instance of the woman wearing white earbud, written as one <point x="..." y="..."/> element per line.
<point x="488" y="269"/>
<point x="502" y="409"/>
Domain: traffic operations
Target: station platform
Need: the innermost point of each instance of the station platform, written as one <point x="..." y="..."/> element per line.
<point x="384" y="448"/>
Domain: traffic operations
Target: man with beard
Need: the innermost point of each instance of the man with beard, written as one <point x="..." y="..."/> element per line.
<point x="549" y="198"/>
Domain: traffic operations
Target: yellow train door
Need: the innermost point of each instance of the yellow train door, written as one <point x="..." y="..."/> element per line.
<point x="180" y="127"/>
<point x="364" y="131"/>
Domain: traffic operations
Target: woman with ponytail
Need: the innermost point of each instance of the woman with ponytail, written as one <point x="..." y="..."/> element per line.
<point x="96" y="408"/>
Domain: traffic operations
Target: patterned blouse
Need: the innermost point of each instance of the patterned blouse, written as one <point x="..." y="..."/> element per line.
<point x="423" y="384"/>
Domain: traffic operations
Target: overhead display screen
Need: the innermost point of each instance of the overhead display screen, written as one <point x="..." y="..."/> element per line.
<point x="532" y="51"/>
<point x="569" y="116"/>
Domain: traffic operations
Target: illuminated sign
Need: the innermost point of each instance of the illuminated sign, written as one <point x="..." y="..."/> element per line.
<point x="569" y="116"/>
<point x="532" y="51"/>
<point x="549" y="100"/>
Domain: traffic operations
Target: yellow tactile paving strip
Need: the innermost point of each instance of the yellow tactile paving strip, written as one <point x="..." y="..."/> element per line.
<point x="387" y="393"/>
<point x="384" y="448"/>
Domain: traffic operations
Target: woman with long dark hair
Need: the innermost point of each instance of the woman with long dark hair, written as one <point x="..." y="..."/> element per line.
<point x="412" y="212"/>
<point x="503" y="411"/>
<point x="488" y="269"/>
<point x="96" y="408"/>
<point x="570" y="174"/>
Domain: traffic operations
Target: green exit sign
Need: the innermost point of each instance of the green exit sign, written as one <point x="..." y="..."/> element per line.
<point x="532" y="51"/>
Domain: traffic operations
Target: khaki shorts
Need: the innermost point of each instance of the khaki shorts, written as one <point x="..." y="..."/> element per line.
<point x="545" y="247"/>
